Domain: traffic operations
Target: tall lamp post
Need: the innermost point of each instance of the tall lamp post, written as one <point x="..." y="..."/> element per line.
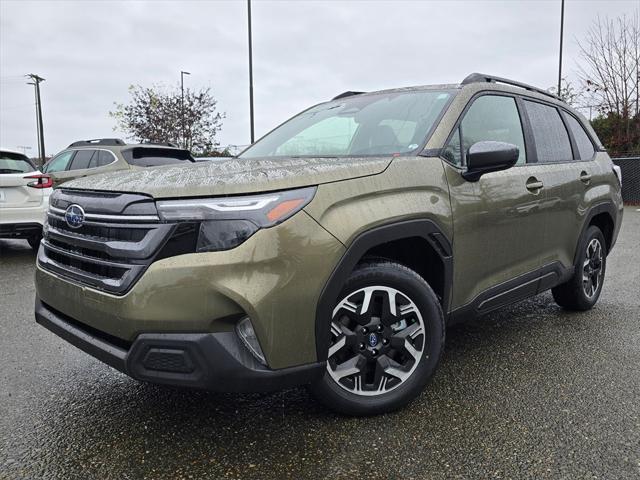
<point x="184" y="138"/>
<point x="36" y="79"/>
<point x="560" y="59"/>
<point x="250" y="71"/>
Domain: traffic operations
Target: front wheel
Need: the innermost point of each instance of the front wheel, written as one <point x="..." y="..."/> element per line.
<point x="387" y="336"/>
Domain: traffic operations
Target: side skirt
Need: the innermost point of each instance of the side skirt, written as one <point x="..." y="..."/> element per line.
<point x="512" y="291"/>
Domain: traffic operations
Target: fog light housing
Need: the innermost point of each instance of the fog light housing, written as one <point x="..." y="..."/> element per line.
<point x="245" y="331"/>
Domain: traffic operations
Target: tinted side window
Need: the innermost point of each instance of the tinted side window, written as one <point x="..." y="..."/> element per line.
<point x="154" y="157"/>
<point x="59" y="163"/>
<point x="102" y="158"/>
<point x="82" y="159"/>
<point x="585" y="147"/>
<point x="549" y="133"/>
<point x="494" y="118"/>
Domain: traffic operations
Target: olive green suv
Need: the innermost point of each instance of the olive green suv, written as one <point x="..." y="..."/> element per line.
<point x="106" y="155"/>
<point x="335" y="250"/>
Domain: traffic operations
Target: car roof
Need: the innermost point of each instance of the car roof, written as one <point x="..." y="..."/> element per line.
<point x="117" y="144"/>
<point x="474" y="81"/>
<point x="15" y="152"/>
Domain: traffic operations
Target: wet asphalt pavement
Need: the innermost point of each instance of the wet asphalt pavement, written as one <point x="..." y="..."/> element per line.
<point x="528" y="392"/>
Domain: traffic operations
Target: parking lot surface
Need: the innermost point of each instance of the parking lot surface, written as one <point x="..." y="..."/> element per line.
<point x="530" y="391"/>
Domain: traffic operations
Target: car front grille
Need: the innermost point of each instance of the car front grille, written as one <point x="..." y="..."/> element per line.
<point x="119" y="238"/>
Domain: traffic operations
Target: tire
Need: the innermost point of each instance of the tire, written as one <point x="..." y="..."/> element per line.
<point x="582" y="291"/>
<point x="388" y="364"/>
<point x="34" y="242"/>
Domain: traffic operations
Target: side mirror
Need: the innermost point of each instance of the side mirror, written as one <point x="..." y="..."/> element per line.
<point x="487" y="156"/>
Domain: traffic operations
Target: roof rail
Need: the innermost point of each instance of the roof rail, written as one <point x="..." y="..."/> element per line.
<point x="346" y="94"/>
<point x="98" y="141"/>
<point x="483" y="78"/>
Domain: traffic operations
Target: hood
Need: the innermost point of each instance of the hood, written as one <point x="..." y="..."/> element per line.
<point x="232" y="176"/>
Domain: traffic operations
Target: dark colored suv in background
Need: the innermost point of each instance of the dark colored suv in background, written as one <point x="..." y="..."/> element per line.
<point x="336" y="249"/>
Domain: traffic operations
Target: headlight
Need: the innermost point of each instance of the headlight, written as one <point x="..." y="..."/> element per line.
<point x="226" y="222"/>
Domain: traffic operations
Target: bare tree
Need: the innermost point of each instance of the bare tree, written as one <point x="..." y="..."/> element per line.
<point x="568" y="93"/>
<point x="610" y="74"/>
<point x="155" y="115"/>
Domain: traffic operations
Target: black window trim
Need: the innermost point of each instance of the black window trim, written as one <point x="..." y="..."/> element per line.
<point x="572" y="143"/>
<point x="69" y="169"/>
<point x="564" y="113"/>
<point x="527" y="133"/>
<point x="113" y="155"/>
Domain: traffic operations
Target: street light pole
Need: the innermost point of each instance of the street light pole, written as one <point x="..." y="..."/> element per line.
<point x="36" y="83"/>
<point x="560" y="60"/>
<point x="182" y="74"/>
<point x="250" y="72"/>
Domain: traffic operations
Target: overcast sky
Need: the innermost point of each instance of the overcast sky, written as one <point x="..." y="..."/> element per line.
<point x="305" y="52"/>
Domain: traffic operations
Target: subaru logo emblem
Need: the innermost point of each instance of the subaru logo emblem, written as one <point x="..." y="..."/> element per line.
<point x="373" y="339"/>
<point x="74" y="216"/>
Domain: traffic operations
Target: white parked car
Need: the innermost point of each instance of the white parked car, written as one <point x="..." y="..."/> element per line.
<point x="24" y="198"/>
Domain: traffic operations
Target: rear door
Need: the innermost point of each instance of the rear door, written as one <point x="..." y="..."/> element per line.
<point x="497" y="222"/>
<point x="566" y="159"/>
<point x="78" y="166"/>
<point x="14" y="192"/>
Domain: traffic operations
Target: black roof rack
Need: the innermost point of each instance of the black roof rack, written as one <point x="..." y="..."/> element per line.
<point x="346" y="94"/>
<point x="482" y="78"/>
<point x="98" y="141"/>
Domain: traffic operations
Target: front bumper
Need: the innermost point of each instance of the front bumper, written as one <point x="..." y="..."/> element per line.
<point x="212" y="361"/>
<point x="275" y="278"/>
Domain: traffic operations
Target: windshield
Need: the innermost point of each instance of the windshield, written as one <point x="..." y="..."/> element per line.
<point x="15" y="163"/>
<point x="155" y="157"/>
<point x="378" y="124"/>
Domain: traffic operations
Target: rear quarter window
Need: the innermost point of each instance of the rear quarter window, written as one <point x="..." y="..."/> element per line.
<point x="155" y="157"/>
<point x="583" y="141"/>
<point x="102" y="158"/>
<point x="549" y="133"/>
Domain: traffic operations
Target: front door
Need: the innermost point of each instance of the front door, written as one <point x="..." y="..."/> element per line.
<point x="497" y="222"/>
<point x="56" y="168"/>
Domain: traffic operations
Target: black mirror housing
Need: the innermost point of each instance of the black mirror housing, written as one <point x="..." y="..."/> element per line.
<point x="488" y="156"/>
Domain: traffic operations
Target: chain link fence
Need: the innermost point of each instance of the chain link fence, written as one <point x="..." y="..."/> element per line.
<point x="630" y="167"/>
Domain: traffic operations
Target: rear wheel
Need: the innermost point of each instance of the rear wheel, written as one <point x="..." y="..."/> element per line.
<point x="34" y="242"/>
<point x="387" y="335"/>
<point x="582" y="291"/>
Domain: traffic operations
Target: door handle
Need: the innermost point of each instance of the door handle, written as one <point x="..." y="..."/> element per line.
<point x="534" y="185"/>
<point x="585" y="177"/>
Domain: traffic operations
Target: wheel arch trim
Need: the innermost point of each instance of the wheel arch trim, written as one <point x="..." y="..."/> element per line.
<point x="603" y="207"/>
<point x="422" y="228"/>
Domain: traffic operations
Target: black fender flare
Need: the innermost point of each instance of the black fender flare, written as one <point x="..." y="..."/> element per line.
<point x="423" y="228"/>
<point x="603" y="207"/>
